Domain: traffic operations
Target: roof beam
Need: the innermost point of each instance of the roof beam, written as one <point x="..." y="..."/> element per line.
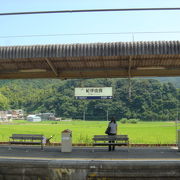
<point x="116" y="73"/>
<point x="51" y="66"/>
<point x="74" y="74"/>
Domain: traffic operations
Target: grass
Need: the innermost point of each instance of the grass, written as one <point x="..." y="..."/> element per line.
<point x="83" y="131"/>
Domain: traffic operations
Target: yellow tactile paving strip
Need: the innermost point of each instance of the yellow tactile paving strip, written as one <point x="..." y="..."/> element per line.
<point x="91" y="159"/>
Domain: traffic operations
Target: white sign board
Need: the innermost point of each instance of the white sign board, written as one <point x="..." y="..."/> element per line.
<point x="93" y="93"/>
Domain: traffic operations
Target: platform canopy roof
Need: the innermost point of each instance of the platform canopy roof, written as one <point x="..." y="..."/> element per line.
<point x="94" y="60"/>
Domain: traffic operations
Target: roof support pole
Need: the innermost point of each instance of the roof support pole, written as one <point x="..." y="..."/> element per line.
<point x="129" y="78"/>
<point x="51" y="66"/>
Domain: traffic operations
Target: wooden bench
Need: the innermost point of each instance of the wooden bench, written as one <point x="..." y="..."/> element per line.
<point x="27" y="139"/>
<point x="103" y="140"/>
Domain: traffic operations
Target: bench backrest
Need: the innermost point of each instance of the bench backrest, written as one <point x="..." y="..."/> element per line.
<point x="27" y="136"/>
<point x="106" y="137"/>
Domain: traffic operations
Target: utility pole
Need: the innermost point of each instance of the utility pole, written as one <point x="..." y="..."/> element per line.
<point x="84" y="114"/>
<point x="107" y="114"/>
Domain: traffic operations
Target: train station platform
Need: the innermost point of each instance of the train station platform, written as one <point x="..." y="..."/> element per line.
<point x="89" y="163"/>
<point x="90" y="152"/>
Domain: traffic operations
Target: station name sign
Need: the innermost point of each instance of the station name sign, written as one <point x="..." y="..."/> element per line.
<point x="93" y="93"/>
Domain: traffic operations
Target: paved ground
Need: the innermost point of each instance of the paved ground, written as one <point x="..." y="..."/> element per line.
<point x="89" y="163"/>
<point x="97" y="153"/>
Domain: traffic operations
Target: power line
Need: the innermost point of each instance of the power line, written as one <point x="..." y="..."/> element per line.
<point x="89" y="10"/>
<point x="87" y="34"/>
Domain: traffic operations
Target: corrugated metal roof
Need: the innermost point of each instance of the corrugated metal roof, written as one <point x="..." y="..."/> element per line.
<point x="93" y="49"/>
<point x="115" y="59"/>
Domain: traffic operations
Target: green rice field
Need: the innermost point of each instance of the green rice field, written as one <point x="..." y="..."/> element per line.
<point x="83" y="131"/>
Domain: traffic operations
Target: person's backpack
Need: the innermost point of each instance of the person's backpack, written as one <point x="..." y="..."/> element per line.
<point x="108" y="130"/>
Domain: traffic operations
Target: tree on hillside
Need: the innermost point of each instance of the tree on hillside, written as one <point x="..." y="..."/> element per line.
<point x="150" y="100"/>
<point x="4" y="102"/>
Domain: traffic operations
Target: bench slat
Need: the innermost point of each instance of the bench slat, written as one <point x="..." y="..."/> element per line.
<point x="24" y="142"/>
<point x="27" y="138"/>
<point x="107" y="144"/>
<point x="111" y="135"/>
<point x="27" y="135"/>
<point x="110" y="139"/>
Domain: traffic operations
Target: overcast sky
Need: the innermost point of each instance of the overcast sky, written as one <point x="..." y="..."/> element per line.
<point x="61" y="28"/>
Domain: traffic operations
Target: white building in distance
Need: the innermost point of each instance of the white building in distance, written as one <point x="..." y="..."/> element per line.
<point x="33" y="118"/>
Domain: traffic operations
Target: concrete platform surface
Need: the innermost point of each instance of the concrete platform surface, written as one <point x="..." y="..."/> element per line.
<point x="123" y="153"/>
<point x="89" y="163"/>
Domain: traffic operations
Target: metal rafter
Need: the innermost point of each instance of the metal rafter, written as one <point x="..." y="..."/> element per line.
<point x="51" y="66"/>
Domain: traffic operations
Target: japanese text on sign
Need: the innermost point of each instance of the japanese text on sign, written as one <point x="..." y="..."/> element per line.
<point x="93" y="91"/>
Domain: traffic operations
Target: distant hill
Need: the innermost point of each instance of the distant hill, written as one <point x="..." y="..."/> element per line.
<point x="147" y="99"/>
<point x="40" y="83"/>
<point x="174" y="80"/>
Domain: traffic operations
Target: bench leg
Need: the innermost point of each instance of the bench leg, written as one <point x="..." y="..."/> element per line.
<point x="93" y="150"/>
<point x="10" y="147"/>
<point x="42" y="147"/>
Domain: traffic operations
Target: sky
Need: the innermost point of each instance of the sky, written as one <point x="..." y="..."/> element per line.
<point x="87" y="27"/>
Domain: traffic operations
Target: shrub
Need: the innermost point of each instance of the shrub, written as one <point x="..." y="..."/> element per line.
<point x="124" y="120"/>
<point x="54" y="123"/>
<point x="133" y="121"/>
